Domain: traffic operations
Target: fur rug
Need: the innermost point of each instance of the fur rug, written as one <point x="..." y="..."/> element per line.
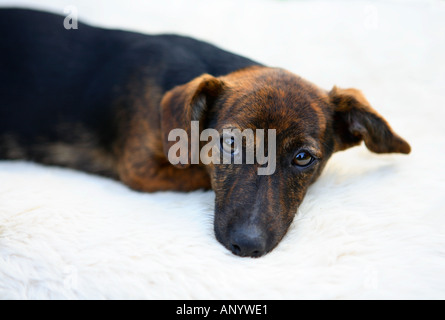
<point x="372" y="227"/>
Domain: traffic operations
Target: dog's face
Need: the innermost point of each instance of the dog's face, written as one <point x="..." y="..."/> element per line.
<point x="252" y="211"/>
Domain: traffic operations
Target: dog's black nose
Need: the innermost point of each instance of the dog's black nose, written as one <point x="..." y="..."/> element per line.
<point x="248" y="241"/>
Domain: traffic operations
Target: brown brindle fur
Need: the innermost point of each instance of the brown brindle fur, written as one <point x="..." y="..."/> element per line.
<point x="304" y="116"/>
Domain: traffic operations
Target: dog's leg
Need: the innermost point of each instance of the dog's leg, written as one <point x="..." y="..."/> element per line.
<point x="143" y="167"/>
<point x="151" y="177"/>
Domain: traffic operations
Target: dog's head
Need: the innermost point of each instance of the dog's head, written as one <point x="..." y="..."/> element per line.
<point x="253" y="211"/>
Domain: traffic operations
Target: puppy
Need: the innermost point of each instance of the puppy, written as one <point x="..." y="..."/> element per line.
<point x="106" y="101"/>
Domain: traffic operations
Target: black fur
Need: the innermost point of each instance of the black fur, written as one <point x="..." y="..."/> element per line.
<point x="50" y="77"/>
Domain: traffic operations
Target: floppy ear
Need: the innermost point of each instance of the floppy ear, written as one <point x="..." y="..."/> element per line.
<point x="356" y="121"/>
<point x="186" y="103"/>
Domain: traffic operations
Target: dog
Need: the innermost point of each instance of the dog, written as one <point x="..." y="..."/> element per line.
<point x="104" y="101"/>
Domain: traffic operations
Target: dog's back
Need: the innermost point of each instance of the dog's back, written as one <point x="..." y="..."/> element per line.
<point x="61" y="89"/>
<point x="51" y="78"/>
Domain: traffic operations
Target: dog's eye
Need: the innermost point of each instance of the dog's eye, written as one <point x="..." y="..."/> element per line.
<point x="228" y="145"/>
<point x="303" y="159"/>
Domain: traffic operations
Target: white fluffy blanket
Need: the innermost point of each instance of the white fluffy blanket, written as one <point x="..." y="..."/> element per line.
<point x="371" y="227"/>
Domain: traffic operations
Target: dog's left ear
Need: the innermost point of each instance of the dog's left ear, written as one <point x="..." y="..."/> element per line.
<point x="186" y="103"/>
<point x="356" y="121"/>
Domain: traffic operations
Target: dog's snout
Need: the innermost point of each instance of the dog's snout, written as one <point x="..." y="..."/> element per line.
<point x="248" y="241"/>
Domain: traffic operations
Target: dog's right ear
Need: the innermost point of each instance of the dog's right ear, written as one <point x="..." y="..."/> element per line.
<point x="186" y="103"/>
<point x="356" y="121"/>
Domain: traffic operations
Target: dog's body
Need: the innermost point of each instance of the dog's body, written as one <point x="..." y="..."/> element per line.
<point x="104" y="101"/>
<point x="72" y="97"/>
